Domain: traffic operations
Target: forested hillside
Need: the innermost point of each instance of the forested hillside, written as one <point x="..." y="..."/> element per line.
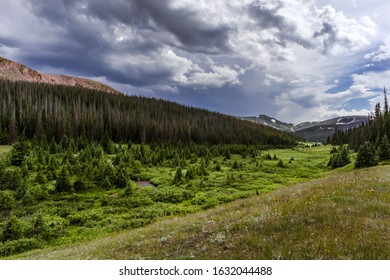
<point x="370" y="139"/>
<point x="48" y="112"/>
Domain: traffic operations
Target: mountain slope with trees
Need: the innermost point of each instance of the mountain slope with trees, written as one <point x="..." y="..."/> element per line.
<point x="48" y="112"/>
<point x="370" y="139"/>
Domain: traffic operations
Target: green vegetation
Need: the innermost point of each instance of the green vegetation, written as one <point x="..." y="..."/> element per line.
<point x="340" y="157"/>
<point x="370" y="140"/>
<point x="47" y="112"/>
<point x="73" y="191"/>
<point x="4" y="150"/>
<point x="340" y="216"/>
<point x="180" y="182"/>
<point x="366" y="156"/>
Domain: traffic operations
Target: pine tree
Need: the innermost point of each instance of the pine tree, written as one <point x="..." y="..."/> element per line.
<point x="41" y="178"/>
<point x="386" y="106"/>
<point x="178" y="176"/>
<point x="384" y="148"/>
<point x="121" y="178"/>
<point x="280" y="164"/>
<point x="63" y="183"/>
<point x="339" y="158"/>
<point x="366" y="156"/>
<point x="20" y="152"/>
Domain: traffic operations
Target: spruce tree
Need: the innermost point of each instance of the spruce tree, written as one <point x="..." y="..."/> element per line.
<point x="339" y="158"/>
<point x="20" y="152"/>
<point x="280" y="164"/>
<point x="366" y="156"/>
<point x="63" y="183"/>
<point x="384" y="148"/>
<point x="178" y="176"/>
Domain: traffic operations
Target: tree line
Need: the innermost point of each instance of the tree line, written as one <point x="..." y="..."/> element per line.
<point x="370" y="139"/>
<point x="47" y="112"/>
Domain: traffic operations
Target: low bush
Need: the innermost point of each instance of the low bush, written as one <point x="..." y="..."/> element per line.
<point x="18" y="246"/>
<point x="49" y="226"/>
<point x="7" y="200"/>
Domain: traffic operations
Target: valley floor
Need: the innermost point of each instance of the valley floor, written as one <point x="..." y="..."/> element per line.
<point x="341" y="216"/>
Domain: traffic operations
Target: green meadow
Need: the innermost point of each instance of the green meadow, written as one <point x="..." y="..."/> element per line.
<point x="339" y="216"/>
<point x="63" y="196"/>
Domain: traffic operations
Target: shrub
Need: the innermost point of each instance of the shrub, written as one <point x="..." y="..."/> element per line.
<point x="39" y="192"/>
<point x="18" y="246"/>
<point x="172" y="195"/>
<point x="82" y="184"/>
<point x="49" y="226"/>
<point x="41" y="178"/>
<point x="12" y="229"/>
<point x="280" y="164"/>
<point x="86" y="218"/>
<point x="199" y="199"/>
<point x="7" y="200"/>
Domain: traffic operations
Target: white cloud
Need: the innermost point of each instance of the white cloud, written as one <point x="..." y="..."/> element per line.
<point x="373" y="80"/>
<point x="383" y="52"/>
<point x="271" y="79"/>
<point x="339" y="34"/>
<point x="217" y="77"/>
<point x="187" y="73"/>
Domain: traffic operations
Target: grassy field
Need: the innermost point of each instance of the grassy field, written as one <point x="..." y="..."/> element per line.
<point x="344" y="215"/>
<point x="35" y="214"/>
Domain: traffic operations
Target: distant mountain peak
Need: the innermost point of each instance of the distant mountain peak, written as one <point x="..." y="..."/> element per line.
<point x="15" y="71"/>
<point x="311" y="131"/>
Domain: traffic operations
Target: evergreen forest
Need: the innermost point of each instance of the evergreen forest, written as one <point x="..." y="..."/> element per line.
<point x="48" y="112"/>
<point x="371" y="139"/>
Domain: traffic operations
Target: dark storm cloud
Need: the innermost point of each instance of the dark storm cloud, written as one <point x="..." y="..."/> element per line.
<point x="192" y="31"/>
<point x="268" y="18"/>
<point x="85" y="41"/>
<point x="8" y="42"/>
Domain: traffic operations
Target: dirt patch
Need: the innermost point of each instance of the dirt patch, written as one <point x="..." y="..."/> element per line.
<point x="144" y="184"/>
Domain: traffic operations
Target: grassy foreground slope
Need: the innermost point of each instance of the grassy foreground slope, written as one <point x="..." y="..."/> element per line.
<point x="341" y="216"/>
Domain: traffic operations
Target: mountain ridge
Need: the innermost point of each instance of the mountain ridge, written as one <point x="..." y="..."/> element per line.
<point x="15" y="71"/>
<point x="317" y="131"/>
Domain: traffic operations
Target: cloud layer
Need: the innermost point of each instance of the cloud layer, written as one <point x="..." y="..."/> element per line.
<point x="292" y="59"/>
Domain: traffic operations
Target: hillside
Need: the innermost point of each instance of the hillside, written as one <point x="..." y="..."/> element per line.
<point x="14" y="71"/>
<point x="53" y="112"/>
<point x="317" y="131"/>
<point x="341" y="216"/>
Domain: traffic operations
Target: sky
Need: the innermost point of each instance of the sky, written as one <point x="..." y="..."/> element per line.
<point x="295" y="60"/>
